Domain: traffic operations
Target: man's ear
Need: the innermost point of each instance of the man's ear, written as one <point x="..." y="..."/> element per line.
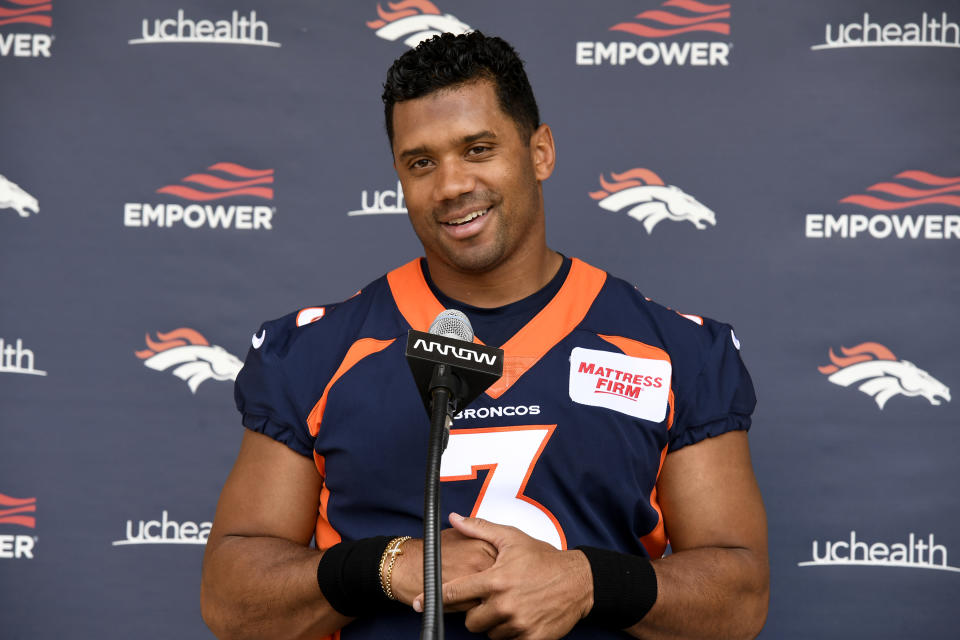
<point x="543" y="152"/>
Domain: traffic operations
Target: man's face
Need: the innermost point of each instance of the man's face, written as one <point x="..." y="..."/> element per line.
<point x="470" y="182"/>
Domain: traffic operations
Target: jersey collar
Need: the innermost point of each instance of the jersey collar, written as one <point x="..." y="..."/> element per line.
<point x="563" y="313"/>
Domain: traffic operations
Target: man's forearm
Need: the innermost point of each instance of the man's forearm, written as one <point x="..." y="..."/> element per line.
<point x="262" y="587"/>
<point x="709" y="592"/>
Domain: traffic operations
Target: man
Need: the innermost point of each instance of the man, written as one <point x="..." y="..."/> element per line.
<point x="616" y="421"/>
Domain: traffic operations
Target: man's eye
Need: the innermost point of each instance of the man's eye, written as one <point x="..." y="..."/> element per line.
<point x="478" y="149"/>
<point x="420" y="164"/>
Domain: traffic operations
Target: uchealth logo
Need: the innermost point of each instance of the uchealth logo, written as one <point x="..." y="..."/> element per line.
<point x="927" y="31"/>
<point x="666" y="36"/>
<point x="912" y="552"/>
<point x="933" y="194"/>
<point x="14" y="358"/>
<point x="190" y="357"/>
<point x="647" y="199"/>
<point x="238" y="29"/>
<point x="18" y="512"/>
<point x="12" y="196"/>
<point x="380" y="202"/>
<point x="875" y="371"/>
<point x="165" y="531"/>
<point x="19" y="20"/>
<point x="220" y="181"/>
<point x="414" y="21"/>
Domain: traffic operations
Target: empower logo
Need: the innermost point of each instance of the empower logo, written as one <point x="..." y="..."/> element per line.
<point x="237" y="30"/>
<point x="673" y="18"/>
<point x="17" y="14"/>
<point x="907" y="189"/>
<point x="926" y="32"/>
<point x="876" y="372"/>
<point x="650" y="201"/>
<point x="17" y="511"/>
<point x="414" y="21"/>
<point x="190" y="356"/>
<point x="220" y="181"/>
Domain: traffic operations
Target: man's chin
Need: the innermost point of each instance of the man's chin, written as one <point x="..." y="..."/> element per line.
<point x="474" y="260"/>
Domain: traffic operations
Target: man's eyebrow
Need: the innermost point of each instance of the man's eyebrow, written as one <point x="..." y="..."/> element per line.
<point x="413" y="152"/>
<point x="473" y="137"/>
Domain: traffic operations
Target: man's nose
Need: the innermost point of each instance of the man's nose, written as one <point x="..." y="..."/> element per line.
<point x="453" y="179"/>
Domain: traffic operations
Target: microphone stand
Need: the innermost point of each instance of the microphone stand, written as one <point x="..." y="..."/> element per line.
<point x="450" y="372"/>
<point x="443" y="388"/>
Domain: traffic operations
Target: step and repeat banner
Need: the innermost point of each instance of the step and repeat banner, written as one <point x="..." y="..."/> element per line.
<point x="174" y="173"/>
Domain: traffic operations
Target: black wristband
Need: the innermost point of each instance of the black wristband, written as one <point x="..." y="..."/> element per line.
<point x="624" y="588"/>
<point x="349" y="576"/>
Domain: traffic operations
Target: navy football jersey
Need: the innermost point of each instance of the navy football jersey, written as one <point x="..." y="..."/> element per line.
<point x="597" y="388"/>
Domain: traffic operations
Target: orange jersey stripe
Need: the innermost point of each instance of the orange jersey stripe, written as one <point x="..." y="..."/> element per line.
<point x="357" y="352"/>
<point x="413" y="297"/>
<point x="551" y="325"/>
<point x="654" y="542"/>
<point x="419" y="307"/>
<point x="326" y="535"/>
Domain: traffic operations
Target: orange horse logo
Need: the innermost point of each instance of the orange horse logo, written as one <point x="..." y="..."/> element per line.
<point x="414" y="21"/>
<point x="877" y="372"/>
<point x="192" y="358"/>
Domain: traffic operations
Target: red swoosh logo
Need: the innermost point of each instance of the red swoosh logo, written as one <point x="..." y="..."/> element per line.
<point x="652" y="32"/>
<point x="192" y="194"/>
<point x="885" y="205"/>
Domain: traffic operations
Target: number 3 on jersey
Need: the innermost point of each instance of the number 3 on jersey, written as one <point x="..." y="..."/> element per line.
<point x="509" y="455"/>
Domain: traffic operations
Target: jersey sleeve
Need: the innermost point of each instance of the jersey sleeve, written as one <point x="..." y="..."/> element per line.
<point x="719" y="397"/>
<point x="263" y="392"/>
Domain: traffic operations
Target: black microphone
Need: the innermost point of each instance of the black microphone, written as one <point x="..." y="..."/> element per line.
<point x="447" y="357"/>
<point x="450" y="372"/>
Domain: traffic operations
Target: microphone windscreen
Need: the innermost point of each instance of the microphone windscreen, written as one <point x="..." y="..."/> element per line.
<point x="452" y="324"/>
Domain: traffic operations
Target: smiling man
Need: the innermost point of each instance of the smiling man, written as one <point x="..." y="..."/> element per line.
<point x="617" y="422"/>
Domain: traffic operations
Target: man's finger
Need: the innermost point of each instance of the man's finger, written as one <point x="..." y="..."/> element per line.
<point x="447" y="607"/>
<point x="495" y="534"/>
<point x="488" y="616"/>
<point x="466" y="589"/>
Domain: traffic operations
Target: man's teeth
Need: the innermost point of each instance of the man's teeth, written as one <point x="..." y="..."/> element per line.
<point x="469" y="216"/>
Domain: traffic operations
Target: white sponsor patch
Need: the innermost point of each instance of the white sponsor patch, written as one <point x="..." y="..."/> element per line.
<point x="638" y="387"/>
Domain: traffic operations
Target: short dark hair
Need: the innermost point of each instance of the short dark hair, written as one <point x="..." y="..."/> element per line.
<point x="449" y="60"/>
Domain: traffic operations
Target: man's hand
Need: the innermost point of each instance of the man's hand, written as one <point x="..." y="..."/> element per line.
<point x="461" y="556"/>
<point x="532" y="590"/>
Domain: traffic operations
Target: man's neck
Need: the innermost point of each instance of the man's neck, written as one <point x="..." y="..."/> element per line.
<point x="506" y="283"/>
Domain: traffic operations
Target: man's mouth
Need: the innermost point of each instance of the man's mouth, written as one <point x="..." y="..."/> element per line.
<point x="473" y="215"/>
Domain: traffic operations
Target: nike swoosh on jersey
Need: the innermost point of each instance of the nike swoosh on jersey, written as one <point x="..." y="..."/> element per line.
<point x="257" y="340"/>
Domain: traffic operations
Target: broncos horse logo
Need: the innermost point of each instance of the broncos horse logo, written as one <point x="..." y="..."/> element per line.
<point x="13" y="197"/>
<point x="195" y="360"/>
<point x="650" y="200"/>
<point x="415" y="20"/>
<point x="879" y="374"/>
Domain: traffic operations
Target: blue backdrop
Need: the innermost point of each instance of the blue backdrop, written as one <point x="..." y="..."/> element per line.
<point x="174" y="173"/>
